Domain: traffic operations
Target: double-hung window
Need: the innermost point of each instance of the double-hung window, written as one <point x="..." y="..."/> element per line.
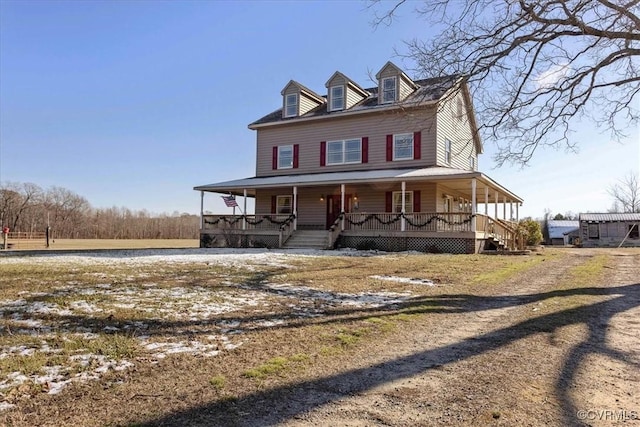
<point x="285" y="157"/>
<point x="337" y="98"/>
<point x="472" y="163"/>
<point x="283" y="205"/>
<point x="397" y="201"/>
<point x="447" y="151"/>
<point x="388" y="90"/>
<point x="291" y="105"/>
<point x="345" y="151"/>
<point x="403" y="146"/>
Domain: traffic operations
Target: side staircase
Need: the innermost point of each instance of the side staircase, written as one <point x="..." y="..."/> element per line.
<point x="308" y="239"/>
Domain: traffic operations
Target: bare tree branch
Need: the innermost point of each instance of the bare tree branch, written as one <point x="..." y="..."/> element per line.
<point x="535" y="68"/>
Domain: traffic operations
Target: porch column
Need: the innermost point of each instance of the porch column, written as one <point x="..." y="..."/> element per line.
<point x="244" y="217"/>
<point x="486" y="201"/>
<point x="517" y="213"/>
<point x="402" y="221"/>
<point x="510" y="211"/>
<point x="342" y="204"/>
<point x="201" y="210"/>
<point x="504" y="207"/>
<point x="495" y="205"/>
<point x="473" y="204"/>
<point x="295" y="208"/>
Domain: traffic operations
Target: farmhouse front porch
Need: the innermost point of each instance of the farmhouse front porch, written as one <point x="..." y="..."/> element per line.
<point x="429" y="210"/>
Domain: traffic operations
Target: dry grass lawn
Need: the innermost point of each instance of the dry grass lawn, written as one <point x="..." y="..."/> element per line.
<point x="126" y="339"/>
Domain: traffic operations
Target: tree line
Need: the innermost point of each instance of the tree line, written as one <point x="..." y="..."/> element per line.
<point x="26" y="207"/>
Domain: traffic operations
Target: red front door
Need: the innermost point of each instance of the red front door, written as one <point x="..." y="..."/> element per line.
<point x="333" y="207"/>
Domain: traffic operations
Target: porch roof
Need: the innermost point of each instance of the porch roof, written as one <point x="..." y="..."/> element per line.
<point x="456" y="179"/>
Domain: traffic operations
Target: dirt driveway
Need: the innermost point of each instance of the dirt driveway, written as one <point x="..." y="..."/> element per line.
<point x="533" y="351"/>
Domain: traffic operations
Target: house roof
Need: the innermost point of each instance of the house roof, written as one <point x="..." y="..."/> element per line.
<point x="557" y="228"/>
<point x="429" y="91"/>
<point x="457" y="179"/>
<point x="607" y="217"/>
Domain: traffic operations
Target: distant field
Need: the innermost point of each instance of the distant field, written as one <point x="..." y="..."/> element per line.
<point x="122" y="243"/>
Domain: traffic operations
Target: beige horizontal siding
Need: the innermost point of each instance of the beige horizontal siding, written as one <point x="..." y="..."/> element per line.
<point x="374" y="126"/>
<point x="371" y="199"/>
<point x="456" y="128"/>
<point x="353" y="97"/>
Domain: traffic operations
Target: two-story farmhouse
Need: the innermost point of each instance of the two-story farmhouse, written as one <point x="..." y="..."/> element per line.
<point x="392" y="167"/>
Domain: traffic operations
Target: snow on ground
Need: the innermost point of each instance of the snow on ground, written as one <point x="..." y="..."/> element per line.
<point x="405" y="280"/>
<point x="78" y="311"/>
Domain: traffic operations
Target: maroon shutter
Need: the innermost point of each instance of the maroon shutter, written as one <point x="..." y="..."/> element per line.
<point x="416" y="145"/>
<point x="389" y="148"/>
<point x="296" y="150"/>
<point x="416" y="200"/>
<point x="274" y="158"/>
<point x="323" y="153"/>
<point x="365" y="149"/>
<point x="273" y="204"/>
<point x="388" y="202"/>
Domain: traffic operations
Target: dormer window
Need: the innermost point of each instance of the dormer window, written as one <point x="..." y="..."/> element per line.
<point x="291" y="105"/>
<point x="337" y="98"/>
<point x="388" y="90"/>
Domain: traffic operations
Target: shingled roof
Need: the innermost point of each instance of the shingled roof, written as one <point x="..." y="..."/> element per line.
<point x="429" y="90"/>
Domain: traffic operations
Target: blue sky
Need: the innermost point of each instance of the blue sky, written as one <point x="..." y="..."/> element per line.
<point x="133" y="103"/>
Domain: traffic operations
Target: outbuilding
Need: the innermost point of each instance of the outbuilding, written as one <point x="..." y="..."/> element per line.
<point x="609" y="229"/>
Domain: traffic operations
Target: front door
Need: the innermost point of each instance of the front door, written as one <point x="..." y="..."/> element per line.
<point x="333" y="207"/>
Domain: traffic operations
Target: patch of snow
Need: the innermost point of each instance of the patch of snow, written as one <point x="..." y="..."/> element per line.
<point x="397" y="279"/>
<point x="6" y="405"/>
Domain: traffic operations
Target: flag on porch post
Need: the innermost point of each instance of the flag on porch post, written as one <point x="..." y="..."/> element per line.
<point x="230" y="201"/>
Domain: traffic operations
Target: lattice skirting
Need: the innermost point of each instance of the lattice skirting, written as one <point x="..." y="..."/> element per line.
<point x="421" y="244"/>
<point x="238" y="241"/>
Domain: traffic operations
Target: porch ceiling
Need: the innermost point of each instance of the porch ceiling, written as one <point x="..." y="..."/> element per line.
<point x="458" y="180"/>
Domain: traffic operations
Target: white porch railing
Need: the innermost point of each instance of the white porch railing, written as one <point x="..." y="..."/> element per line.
<point x="245" y="222"/>
<point x="419" y="221"/>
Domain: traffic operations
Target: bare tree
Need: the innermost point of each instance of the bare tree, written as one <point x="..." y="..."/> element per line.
<point x="626" y="194"/>
<point x="536" y="68"/>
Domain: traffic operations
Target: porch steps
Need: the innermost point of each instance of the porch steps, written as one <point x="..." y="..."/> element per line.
<point x="308" y="239"/>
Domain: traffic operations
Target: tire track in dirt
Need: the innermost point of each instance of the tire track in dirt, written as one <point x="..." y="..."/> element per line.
<point x="457" y="384"/>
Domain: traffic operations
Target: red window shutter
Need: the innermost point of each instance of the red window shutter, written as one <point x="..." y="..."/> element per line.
<point x="388" y="202"/>
<point x="296" y="150"/>
<point x="416" y="145"/>
<point x="389" y="148"/>
<point x="274" y="158"/>
<point x="365" y="149"/>
<point x="416" y="200"/>
<point x="323" y="153"/>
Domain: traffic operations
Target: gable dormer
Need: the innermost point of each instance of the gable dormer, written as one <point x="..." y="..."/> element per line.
<point x="343" y="93"/>
<point x="298" y="100"/>
<point x="393" y="84"/>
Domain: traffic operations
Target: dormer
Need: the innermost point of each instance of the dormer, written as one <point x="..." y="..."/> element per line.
<point x="298" y="100"/>
<point x="343" y="93"/>
<point x="393" y="84"/>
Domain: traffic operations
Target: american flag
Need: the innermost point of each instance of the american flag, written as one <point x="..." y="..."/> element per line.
<point x="230" y="201"/>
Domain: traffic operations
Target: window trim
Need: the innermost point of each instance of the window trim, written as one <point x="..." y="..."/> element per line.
<point x="287" y="104"/>
<point x="408" y="201"/>
<point x="333" y="98"/>
<point x="393" y="157"/>
<point x="472" y="163"/>
<point x="283" y="197"/>
<point x="447" y="151"/>
<point x="344" y="152"/>
<point x="280" y="147"/>
<point x="385" y="91"/>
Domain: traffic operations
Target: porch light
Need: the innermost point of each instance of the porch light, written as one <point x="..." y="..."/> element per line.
<point x="355" y="196"/>
<point x="322" y="197"/>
